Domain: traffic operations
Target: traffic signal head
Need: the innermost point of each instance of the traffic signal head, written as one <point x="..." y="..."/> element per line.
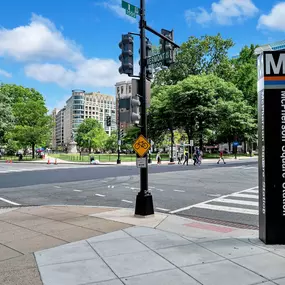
<point x="127" y="55"/>
<point x="109" y="121"/>
<point x="129" y="109"/>
<point x="167" y="47"/>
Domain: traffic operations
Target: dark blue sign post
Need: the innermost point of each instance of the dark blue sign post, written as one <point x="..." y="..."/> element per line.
<point x="271" y="136"/>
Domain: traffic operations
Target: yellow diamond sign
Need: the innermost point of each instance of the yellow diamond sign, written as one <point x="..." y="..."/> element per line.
<point x="141" y="146"/>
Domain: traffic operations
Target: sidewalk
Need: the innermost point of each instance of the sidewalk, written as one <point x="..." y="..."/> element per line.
<point x="162" y="249"/>
<point x="133" y="163"/>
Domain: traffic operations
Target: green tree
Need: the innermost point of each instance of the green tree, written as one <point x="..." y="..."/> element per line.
<point x="32" y="123"/>
<point x="112" y="142"/>
<point x="245" y="75"/>
<point x="207" y="54"/>
<point x="131" y="135"/>
<point x="6" y="115"/>
<point x="91" y="135"/>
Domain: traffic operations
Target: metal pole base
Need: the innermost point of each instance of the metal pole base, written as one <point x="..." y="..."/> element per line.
<point x="118" y="161"/>
<point x="144" y="204"/>
<point x="171" y="159"/>
<point x="149" y="160"/>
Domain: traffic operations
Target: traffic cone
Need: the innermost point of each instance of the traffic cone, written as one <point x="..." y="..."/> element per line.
<point x="48" y="161"/>
<point x="55" y="162"/>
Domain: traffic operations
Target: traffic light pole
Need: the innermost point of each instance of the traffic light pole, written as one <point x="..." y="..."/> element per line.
<point x="119" y="130"/>
<point x="144" y="202"/>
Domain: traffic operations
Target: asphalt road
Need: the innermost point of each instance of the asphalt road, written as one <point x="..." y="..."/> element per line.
<point x="218" y="192"/>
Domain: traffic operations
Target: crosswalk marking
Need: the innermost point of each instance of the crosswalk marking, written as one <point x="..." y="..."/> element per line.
<point x="227" y="209"/>
<point x="255" y="191"/>
<point x="238" y="202"/>
<point x="224" y="203"/>
<point x="241" y="195"/>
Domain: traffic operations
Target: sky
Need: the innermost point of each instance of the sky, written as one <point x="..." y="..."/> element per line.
<point x="55" y="46"/>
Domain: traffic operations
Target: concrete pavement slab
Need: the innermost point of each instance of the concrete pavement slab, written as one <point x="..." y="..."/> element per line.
<point x="74" y="233"/>
<point x="75" y="251"/>
<point x="110" y="282"/>
<point x="127" y="216"/>
<point x="231" y="248"/>
<point x="109" y="236"/>
<point x="141" y="231"/>
<point x="222" y="273"/>
<point x="169" y="277"/>
<point x="6" y="253"/>
<point x="75" y="273"/>
<point x="186" y="255"/>
<point x="6" y="227"/>
<point x="163" y="240"/>
<point x="52" y="226"/>
<point x="36" y="243"/>
<point x="280" y="281"/>
<point x="126" y="265"/>
<point x="18" y="263"/>
<point x="17" y="234"/>
<point x="118" y="246"/>
<point x="28" y="276"/>
<point x="83" y="210"/>
<point x="269" y="265"/>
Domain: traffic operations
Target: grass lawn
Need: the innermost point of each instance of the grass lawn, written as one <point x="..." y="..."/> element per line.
<point x="124" y="157"/>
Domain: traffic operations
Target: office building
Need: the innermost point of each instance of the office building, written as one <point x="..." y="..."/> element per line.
<point x="53" y="115"/>
<point x="60" y="129"/>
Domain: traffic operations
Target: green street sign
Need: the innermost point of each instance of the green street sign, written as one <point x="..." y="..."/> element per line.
<point x="158" y="58"/>
<point x="131" y="10"/>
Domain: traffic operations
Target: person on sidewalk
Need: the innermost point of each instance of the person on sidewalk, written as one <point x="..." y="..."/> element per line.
<point x="221" y="157"/>
<point x="186" y="158"/>
<point x="158" y="158"/>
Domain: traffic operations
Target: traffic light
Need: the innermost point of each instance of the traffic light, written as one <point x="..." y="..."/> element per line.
<point x="122" y="133"/>
<point x="129" y="109"/>
<point x="166" y="46"/>
<point x="109" y="123"/>
<point x="127" y="55"/>
<point x="149" y="71"/>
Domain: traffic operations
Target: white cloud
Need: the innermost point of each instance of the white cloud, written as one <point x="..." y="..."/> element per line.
<point x="5" y="73"/>
<point x="275" y="20"/>
<point x="51" y="58"/>
<point x="93" y="72"/>
<point x="38" y="41"/>
<point x="116" y="7"/>
<point x="223" y="12"/>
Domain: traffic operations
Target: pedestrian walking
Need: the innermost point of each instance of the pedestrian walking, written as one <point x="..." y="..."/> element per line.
<point x="178" y="158"/>
<point x="186" y="158"/>
<point x="158" y="158"/>
<point x="221" y="157"/>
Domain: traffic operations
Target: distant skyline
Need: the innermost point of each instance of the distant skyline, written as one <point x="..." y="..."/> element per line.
<point x="56" y="46"/>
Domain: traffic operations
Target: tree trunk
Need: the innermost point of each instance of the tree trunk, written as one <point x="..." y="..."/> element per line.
<point x="33" y="150"/>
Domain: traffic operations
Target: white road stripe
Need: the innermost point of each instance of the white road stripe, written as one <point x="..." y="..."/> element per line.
<point x="241" y="195"/>
<point x="58" y="187"/>
<point x="202" y="203"/>
<point x="127" y="201"/>
<point x="75" y="190"/>
<point x="100" y="195"/>
<point x="135" y="188"/>
<point x="161" y="190"/>
<point x="162" y="209"/>
<point x="151" y="187"/>
<point x="9" y="202"/>
<point x="182" y="191"/>
<point x="112" y="186"/>
<point x="250" y="167"/>
<point x="251" y="191"/>
<point x="238" y="202"/>
<point x="227" y="209"/>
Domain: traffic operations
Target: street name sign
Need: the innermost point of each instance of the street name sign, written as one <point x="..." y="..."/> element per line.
<point x="157" y="58"/>
<point x="141" y="162"/>
<point x="141" y="146"/>
<point x="271" y="143"/>
<point x="131" y="10"/>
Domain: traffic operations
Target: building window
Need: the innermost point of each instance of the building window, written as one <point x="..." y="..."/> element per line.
<point x="130" y="88"/>
<point x="122" y="89"/>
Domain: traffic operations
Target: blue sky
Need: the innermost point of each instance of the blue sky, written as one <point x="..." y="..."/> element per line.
<point x="56" y="46"/>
